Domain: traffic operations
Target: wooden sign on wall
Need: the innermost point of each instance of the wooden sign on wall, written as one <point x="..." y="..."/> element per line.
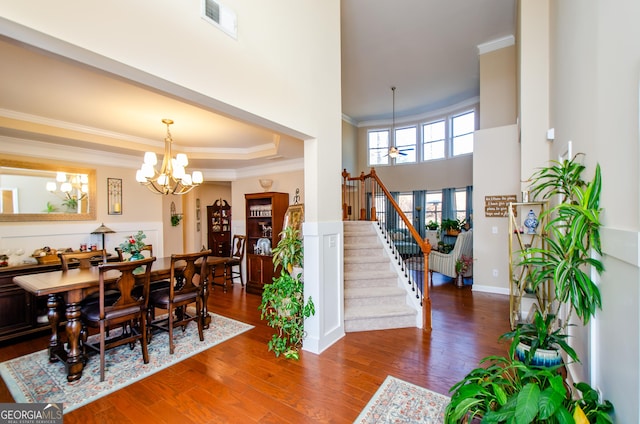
<point x="497" y="206"/>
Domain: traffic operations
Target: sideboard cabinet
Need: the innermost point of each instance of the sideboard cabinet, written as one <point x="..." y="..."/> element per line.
<point x="265" y="216"/>
<point x="21" y="312"/>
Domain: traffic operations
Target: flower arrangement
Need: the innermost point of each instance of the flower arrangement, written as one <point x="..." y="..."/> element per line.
<point x="463" y="264"/>
<point x="134" y="244"/>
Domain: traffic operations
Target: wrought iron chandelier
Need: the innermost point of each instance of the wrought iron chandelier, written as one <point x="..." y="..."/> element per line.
<point x="172" y="177"/>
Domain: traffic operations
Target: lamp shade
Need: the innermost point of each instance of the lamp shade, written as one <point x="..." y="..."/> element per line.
<point x="102" y="230"/>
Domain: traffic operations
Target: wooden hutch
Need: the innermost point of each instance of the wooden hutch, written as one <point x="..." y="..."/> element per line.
<point x="265" y="216"/>
<point x="219" y="228"/>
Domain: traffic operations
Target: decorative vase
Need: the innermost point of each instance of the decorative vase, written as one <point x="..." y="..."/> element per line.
<point x="136" y="256"/>
<point x="531" y="223"/>
<point x="459" y="281"/>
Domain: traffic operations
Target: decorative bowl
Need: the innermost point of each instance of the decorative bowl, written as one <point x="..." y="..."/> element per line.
<point x="266" y="184"/>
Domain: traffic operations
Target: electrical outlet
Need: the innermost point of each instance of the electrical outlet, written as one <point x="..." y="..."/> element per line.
<point x="495" y="273"/>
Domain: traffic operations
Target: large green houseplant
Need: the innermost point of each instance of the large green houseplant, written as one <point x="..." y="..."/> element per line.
<point x="513" y="389"/>
<point x="572" y="236"/>
<point x="283" y="305"/>
<point x="507" y="390"/>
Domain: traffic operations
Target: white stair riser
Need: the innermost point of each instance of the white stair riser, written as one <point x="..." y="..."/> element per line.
<point x="383" y="323"/>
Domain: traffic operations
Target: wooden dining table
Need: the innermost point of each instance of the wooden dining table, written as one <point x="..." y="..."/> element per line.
<point x="75" y="285"/>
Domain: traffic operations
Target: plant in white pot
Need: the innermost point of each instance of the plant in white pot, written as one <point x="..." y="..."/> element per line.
<point x="283" y="305"/>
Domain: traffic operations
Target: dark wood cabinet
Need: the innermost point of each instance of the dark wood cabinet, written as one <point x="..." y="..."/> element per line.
<point x="265" y="216"/>
<point x="219" y="228"/>
<point x="21" y="313"/>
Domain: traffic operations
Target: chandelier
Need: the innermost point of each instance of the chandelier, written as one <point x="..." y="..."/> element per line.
<point x="172" y="177"/>
<point x="72" y="190"/>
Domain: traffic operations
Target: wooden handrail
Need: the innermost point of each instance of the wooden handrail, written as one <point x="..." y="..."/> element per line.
<point x="347" y="208"/>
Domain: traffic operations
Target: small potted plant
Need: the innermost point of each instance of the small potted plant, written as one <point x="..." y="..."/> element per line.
<point x="462" y="266"/>
<point x="432" y="226"/>
<point x="283" y="305"/>
<point x="134" y="245"/>
<point x="451" y="227"/>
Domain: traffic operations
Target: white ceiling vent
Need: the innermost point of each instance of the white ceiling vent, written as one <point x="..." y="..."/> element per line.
<point x="220" y="16"/>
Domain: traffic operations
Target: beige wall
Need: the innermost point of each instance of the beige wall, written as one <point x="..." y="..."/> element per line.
<point x="496" y="169"/>
<point x="594" y="104"/>
<point x="349" y="147"/>
<point x="498" y="88"/>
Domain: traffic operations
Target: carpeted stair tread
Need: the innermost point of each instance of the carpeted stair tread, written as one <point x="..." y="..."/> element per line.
<point x="365" y="312"/>
<point x="360" y="292"/>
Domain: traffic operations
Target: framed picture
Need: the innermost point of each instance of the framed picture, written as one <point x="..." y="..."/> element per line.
<point x="198" y="214"/>
<point x="114" y="196"/>
<point x="294" y="217"/>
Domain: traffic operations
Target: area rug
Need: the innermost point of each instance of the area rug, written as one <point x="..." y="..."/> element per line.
<point x="33" y="379"/>
<point x="397" y="401"/>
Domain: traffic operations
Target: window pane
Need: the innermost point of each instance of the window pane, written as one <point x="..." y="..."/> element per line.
<point x="406" y="143"/>
<point x="405" y="201"/>
<point x="433" y="139"/>
<point x="461" y="204"/>
<point x="378" y="147"/>
<point x="462" y="127"/>
<point x="433" y="207"/>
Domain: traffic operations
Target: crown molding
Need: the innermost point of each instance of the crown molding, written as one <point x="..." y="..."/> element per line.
<point x="497" y="44"/>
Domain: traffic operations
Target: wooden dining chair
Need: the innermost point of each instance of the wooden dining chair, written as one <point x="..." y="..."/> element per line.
<point x="128" y="311"/>
<point x="84" y="259"/>
<point x="187" y="286"/>
<point x="87" y="260"/>
<point x="237" y="254"/>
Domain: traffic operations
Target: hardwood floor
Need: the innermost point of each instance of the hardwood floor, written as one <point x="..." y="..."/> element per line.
<point x="239" y="381"/>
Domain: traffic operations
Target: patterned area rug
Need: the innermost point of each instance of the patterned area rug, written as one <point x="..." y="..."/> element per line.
<point x="397" y="401"/>
<point x="32" y="378"/>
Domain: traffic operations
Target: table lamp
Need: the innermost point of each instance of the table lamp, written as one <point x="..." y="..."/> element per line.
<point x="102" y="230"/>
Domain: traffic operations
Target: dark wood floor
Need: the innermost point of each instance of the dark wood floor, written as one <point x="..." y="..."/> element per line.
<point x="240" y="381"/>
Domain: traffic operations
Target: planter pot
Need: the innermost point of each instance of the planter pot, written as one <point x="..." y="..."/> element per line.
<point x="453" y="232"/>
<point x="542" y="357"/>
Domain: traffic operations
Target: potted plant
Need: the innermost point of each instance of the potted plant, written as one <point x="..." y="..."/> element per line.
<point x="463" y="264"/>
<point x="452" y="227"/>
<point x="571" y="233"/>
<point x="432" y="225"/>
<point x="283" y="305"/>
<point x="539" y="342"/>
<point x="508" y="390"/>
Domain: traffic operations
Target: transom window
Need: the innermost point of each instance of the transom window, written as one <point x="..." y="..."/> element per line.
<point x="406" y="143"/>
<point x="441" y="138"/>
<point x="379" y="147"/>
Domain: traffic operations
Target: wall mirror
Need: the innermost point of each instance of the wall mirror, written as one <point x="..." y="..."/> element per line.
<point x="40" y="191"/>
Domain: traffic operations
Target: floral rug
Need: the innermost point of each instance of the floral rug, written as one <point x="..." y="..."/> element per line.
<point x="33" y="379"/>
<point x="397" y="401"/>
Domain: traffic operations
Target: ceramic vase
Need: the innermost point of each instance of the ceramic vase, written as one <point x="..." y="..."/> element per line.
<point x="531" y="223"/>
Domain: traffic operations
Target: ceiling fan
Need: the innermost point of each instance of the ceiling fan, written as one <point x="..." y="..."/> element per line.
<point x="394" y="152"/>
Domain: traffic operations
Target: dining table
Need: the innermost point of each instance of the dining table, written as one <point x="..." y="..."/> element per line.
<point x="72" y="287"/>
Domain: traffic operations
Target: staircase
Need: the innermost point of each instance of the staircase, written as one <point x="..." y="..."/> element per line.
<point x="375" y="298"/>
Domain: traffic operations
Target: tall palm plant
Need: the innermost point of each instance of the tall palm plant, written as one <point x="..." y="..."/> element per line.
<point x="572" y="236"/>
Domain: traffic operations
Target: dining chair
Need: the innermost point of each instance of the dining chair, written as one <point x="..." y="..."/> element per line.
<point x="128" y="311"/>
<point x="84" y="259"/>
<point x="237" y="254"/>
<point x="87" y="260"/>
<point x="147" y="248"/>
<point x="187" y="285"/>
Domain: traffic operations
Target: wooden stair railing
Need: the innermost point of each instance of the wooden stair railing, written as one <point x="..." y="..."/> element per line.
<point x="365" y="198"/>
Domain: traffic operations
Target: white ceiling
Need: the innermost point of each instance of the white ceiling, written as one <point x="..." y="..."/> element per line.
<point x="426" y="48"/>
